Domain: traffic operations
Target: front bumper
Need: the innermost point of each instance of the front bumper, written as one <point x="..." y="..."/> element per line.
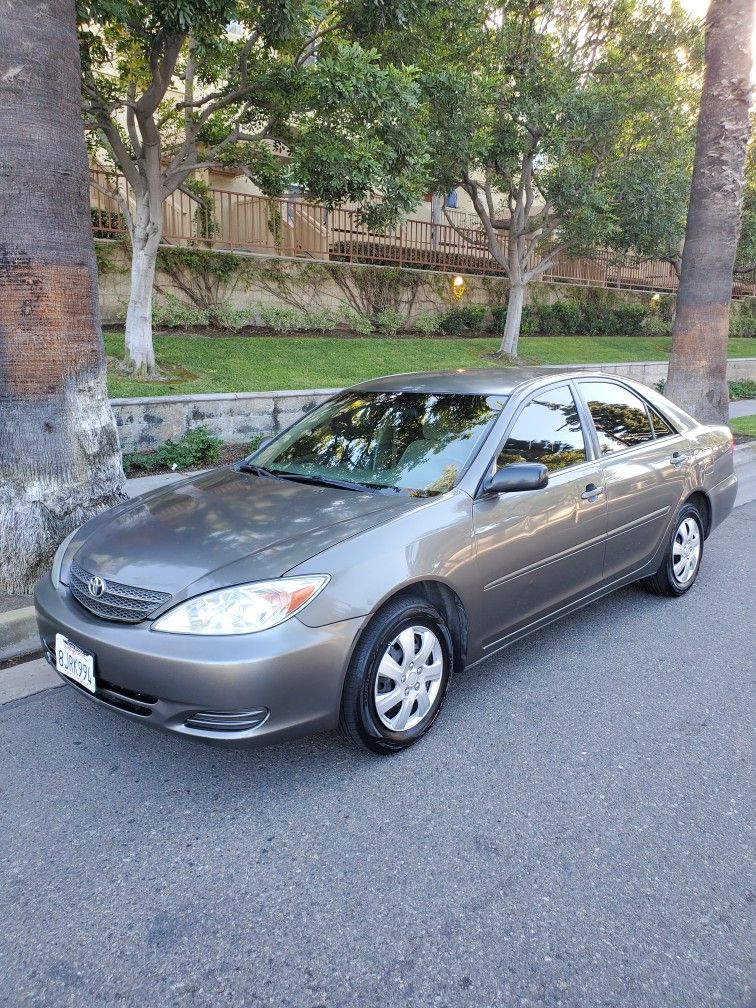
<point x="279" y="683"/>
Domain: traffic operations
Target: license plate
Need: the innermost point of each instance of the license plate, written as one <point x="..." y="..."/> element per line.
<point x="74" y="662"/>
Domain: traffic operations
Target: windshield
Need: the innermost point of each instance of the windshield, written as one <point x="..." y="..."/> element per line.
<point x="411" y="442"/>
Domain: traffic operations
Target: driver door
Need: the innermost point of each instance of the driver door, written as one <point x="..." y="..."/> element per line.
<point x="538" y="551"/>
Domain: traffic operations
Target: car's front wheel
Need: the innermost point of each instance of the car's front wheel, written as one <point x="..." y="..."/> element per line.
<point x="682" y="561"/>
<point x="398" y="677"/>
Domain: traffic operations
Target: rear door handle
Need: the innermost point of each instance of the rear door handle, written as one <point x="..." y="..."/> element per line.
<point x="677" y="459"/>
<point x="592" y="492"/>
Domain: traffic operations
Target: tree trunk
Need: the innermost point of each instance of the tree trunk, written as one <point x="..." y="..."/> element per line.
<point x="145" y="239"/>
<point x="59" y="456"/>
<point x="515" y="299"/>
<point x="515" y="302"/>
<point x="697" y="378"/>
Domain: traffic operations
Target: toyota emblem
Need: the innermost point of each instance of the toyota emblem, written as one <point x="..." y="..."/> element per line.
<point x="96" y="587"/>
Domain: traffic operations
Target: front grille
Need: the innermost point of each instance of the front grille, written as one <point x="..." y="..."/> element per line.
<point x="121" y="602"/>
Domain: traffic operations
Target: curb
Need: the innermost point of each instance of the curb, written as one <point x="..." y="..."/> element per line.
<point x="18" y="633"/>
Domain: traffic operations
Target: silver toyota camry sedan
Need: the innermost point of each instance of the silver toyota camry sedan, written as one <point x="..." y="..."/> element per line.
<point x="405" y="529"/>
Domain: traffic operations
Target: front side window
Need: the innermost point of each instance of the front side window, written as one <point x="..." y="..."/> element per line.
<point x="548" y="431"/>
<point x="619" y="416"/>
<point x="413" y="442"/>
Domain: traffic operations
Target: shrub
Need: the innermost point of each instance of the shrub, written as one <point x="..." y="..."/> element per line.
<point x="579" y="318"/>
<point x="389" y="321"/>
<point x="355" y="321"/>
<point x="283" y="319"/>
<point x="744" y="388"/>
<point x="226" y="317"/>
<point x="499" y="319"/>
<point x="458" y="320"/>
<point x="255" y="441"/>
<point x="427" y="324"/>
<point x="655" y="325"/>
<point x="198" y="447"/>
<point x="452" y="323"/>
<point x="320" y="319"/>
<point x="743" y="320"/>
<point x="169" y="312"/>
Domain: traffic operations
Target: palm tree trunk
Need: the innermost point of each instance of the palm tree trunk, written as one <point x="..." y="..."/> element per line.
<point x="60" y="460"/>
<point x="697" y="378"/>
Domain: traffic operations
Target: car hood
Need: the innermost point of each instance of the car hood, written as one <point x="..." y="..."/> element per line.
<point x="225" y="527"/>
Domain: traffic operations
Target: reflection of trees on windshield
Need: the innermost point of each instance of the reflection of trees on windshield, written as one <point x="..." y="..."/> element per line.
<point x="410" y="440"/>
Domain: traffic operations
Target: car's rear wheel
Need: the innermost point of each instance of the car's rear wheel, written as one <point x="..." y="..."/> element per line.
<point x="398" y="677"/>
<point x="682" y="560"/>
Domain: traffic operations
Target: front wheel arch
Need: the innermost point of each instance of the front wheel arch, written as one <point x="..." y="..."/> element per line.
<point x="443" y="597"/>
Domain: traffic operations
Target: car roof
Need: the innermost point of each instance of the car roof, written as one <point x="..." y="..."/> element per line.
<point x="481" y="381"/>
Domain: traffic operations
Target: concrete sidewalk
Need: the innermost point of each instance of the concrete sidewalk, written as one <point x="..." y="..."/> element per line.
<point x="742" y="407"/>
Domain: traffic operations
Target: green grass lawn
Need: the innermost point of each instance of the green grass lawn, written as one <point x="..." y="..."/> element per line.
<point x="252" y="364"/>
<point x="744" y="425"/>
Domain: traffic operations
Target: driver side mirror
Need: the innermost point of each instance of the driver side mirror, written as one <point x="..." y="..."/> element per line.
<point x="517" y="476"/>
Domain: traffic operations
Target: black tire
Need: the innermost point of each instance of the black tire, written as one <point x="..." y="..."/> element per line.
<point x="664" y="581"/>
<point x="360" y="723"/>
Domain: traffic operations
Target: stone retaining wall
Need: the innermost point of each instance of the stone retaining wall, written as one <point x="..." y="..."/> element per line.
<point x="236" y="417"/>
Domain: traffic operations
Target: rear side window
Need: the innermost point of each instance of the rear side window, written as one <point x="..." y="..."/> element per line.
<point x="548" y="430"/>
<point x="619" y="416"/>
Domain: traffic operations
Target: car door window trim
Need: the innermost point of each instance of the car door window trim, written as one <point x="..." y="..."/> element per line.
<point x="621" y="452"/>
<point x="590" y="448"/>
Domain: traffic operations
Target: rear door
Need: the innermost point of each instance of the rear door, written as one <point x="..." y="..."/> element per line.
<point x="645" y="462"/>
<point x="538" y="550"/>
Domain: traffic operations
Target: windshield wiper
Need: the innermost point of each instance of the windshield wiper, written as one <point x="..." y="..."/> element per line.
<point x="250" y="467"/>
<point x="324" y="481"/>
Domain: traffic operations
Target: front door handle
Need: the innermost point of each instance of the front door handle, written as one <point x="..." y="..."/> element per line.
<point x="678" y="459"/>
<point x="592" y="492"/>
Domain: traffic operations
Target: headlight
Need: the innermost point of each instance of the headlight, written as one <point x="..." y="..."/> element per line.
<point x="58" y="559"/>
<point x="243" y="609"/>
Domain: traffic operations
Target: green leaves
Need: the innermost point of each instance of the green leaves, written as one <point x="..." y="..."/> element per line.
<point x="363" y="137"/>
<point x="576" y="114"/>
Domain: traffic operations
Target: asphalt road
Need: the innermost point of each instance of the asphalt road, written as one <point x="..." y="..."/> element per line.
<point x="574" y="832"/>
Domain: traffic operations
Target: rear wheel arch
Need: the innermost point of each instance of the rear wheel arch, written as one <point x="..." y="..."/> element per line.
<point x="700" y="500"/>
